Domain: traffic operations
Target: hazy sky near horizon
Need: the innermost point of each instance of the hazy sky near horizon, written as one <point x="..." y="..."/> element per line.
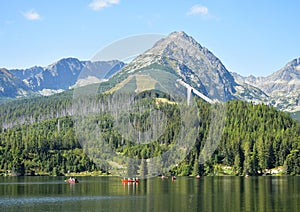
<point x="249" y="37"/>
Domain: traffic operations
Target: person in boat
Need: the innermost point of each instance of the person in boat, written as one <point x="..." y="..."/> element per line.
<point x="73" y="179"/>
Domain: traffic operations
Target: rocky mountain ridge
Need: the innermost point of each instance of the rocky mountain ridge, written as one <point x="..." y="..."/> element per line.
<point x="197" y="66"/>
<point x="282" y="87"/>
<point x="178" y="53"/>
<point x="57" y="77"/>
<point x="11" y="86"/>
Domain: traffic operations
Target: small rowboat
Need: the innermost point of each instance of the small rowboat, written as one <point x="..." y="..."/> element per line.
<point x="130" y="180"/>
<point x="198" y="176"/>
<point x="72" y="180"/>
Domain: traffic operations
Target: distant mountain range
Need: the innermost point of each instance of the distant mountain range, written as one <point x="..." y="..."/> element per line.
<point x="282" y="87"/>
<point x="57" y="77"/>
<point x="178" y="54"/>
<point x="11" y="86"/>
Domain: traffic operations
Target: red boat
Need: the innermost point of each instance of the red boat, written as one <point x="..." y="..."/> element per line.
<point x="198" y="176"/>
<point x="130" y="180"/>
<point x="72" y="180"/>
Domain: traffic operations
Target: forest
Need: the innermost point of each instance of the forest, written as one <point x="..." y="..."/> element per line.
<point x="38" y="137"/>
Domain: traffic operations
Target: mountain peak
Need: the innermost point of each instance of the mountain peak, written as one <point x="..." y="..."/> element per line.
<point x="291" y="71"/>
<point x="181" y="35"/>
<point x="176" y="41"/>
<point x="64" y="61"/>
<point x="5" y="71"/>
<point x="178" y="34"/>
<point x="189" y="61"/>
<point x="294" y="65"/>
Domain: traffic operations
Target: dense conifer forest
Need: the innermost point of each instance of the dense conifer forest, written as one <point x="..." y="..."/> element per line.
<point x="38" y="137"/>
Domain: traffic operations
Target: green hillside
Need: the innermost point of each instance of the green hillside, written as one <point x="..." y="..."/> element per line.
<point x="255" y="139"/>
<point x="47" y="147"/>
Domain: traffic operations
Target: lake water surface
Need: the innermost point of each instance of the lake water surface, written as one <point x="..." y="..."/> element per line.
<point x="154" y="194"/>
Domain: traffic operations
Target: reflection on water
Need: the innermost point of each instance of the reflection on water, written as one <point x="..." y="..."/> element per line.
<point x="184" y="194"/>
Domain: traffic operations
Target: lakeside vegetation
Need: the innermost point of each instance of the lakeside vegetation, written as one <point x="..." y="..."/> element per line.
<point x="255" y="139"/>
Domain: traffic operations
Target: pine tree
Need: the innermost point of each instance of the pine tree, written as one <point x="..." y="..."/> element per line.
<point x="143" y="168"/>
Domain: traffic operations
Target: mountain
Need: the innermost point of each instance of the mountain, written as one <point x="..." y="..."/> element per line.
<point x="11" y="86"/>
<point x="60" y="75"/>
<point x="176" y="57"/>
<point x="181" y="55"/>
<point x="282" y="87"/>
<point x="57" y="77"/>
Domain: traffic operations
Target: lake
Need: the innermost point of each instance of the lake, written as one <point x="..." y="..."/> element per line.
<point x="154" y="194"/>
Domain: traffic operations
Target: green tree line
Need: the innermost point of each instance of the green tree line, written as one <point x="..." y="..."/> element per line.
<point x="255" y="138"/>
<point x="47" y="147"/>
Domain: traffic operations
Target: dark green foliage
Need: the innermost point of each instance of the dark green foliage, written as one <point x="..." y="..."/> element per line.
<point x="255" y="139"/>
<point x="48" y="147"/>
<point x="292" y="163"/>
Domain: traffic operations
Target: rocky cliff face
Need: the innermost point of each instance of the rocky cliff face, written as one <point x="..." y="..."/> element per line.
<point x="282" y="87"/>
<point x="195" y="65"/>
<point x="284" y="81"/>
<point x="57" y="77"/>
<point x="64" y="73"/>
<point x="11" y="86"/>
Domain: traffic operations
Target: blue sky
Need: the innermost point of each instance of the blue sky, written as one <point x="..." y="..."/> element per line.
<point x="250" y="37"/>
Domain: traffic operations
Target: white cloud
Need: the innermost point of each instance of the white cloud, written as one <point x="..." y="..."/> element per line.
<point x="99" y="4"/>
<point x="198" y="9"/>
<point x="32" y="15"/>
